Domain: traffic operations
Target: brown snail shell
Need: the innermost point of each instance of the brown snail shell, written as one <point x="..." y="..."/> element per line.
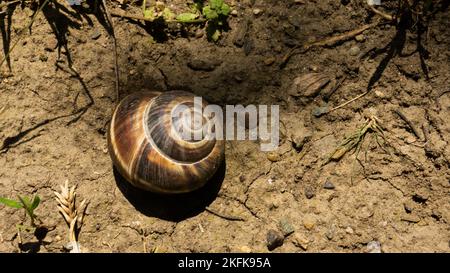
<point x="149" y="155"/>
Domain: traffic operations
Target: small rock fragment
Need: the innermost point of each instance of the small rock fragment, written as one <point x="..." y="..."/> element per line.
<point x="319" y="111"/>
<point x="269" y="61"/>
<point x="199" y="33"/>
<point x="96" y="35"/>
<point x="421" y="196"/>
<point x="409" y="206"/>
<point x="257" y="11"/>
<point x="286" y="227"/>
<point x="43" y="58"/>
<point x="273" y="156"/>
<point x="204" y="65"/>
<point x="330" y="233"/>
<point x="349" y="230"/>
<point x="328" y="185"/>
<point x="298" y="141"/>
<point x="241" y="32"/>
<point x="309" y="192"/>
<point x="360" y="38"/>
<point x="245" y="249"/>
<point x="410" y="218"/>
<point x="309" y="223"/>
<point x="274" y="239"/>
<point x="374" y="247"/>
<point x="354" y="50"/>
<point x="301" y="241"/>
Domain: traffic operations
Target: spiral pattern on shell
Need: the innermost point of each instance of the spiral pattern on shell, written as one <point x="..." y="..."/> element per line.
<point x="148" y="151"/>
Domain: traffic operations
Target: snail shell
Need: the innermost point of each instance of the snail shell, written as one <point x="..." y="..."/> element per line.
<point x="150" y="155"/>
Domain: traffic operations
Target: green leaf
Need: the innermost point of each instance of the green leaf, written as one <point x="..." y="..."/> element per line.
<point x="216" y="4"/>
<point x="168" y="14"/>
<point x="187" y="17"/>
<point x="225" y="10"/>
<point x="216" y="35"/>
<point x="11" y="203"/>
<point x="35" y="203"/>
<point x="25" y="202"/>
<point x="149" y="14"/>
<point x="209" y="13"/>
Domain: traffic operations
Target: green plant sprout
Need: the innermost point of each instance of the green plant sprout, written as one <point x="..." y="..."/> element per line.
<point x="215" y="14"/>
<point x="29" y="205"/>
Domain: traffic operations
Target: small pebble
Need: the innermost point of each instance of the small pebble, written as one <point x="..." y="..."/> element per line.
<point x="314" y="68"/>
<point x="245" y="249"/>
<point x="242" y="178"/>
<point x="274" y="239"/>
<point x="380" y="94"/>
<point x="309" y="223"/>
<point x="409" y="206"/>
<point x="234" y="12"/>
<point x="309" y="192"/>
<point x="273" y="157"/>
<point x="96" y="35"/>
<point x="199" y="33"/>
<point x="298" y="177"/>
<point x="354" y="50"/>
<point x="301" y="241"/>
<point x="286" y="227"/>
<point x="257" y="11"/>
<point x="374" y="247"/>
<point x="360" y="38"/>
<point x="410" y="218"/>
<point x="328" y="185"/>
<point x="319" y="111"/>
<point x="298" y="141"/>
<point x="269" y="61"/>
<point x="330" y="233"/>
<point x="43" y="58"/>
<point x="349" y="230"/>
<point x="421" y="196"/>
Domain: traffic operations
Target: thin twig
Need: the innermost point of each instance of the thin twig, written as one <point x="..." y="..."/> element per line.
<point x="113" y="36"/>
<point x="350" y="101"/>
<point x="226" y="217"/>
<point x="409" y="122"/>
<point x="382" y="14"/>
<point x="328" y="41"/>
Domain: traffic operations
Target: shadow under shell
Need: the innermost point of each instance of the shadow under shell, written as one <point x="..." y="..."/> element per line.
<point x="172" y="207"/>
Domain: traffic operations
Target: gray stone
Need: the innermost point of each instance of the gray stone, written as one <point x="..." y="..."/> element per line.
<point x="328" y="185"/>
<point x="374" y="247"/>
<point x="309" y="192"/>
<point x="274" y="239"/>
<point x="286" y="227"/>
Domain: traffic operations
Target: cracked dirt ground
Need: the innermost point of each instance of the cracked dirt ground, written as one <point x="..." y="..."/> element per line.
<point x="54" y="121"/>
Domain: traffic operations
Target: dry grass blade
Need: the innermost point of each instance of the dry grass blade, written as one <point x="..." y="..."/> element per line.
<point x="354" y="141"/>
<point x="73" y="214"/>
<point x="2" y="110"/>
